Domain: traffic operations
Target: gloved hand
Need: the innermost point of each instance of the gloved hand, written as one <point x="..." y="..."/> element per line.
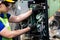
<point x="32" y="27"/>
<point x="36" y="8"/>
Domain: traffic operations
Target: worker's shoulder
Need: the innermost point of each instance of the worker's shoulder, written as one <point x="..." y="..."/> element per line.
<point x="1" y="25"/>
<point x="2" y="15"/>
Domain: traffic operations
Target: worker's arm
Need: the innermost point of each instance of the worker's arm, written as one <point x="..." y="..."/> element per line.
<point x="10" y="34"/>
<point x="20" y="17"/>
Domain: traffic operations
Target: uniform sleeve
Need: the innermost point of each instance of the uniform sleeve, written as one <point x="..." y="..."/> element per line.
<point x="1" y="25"/>
<point x="8" y="15"/>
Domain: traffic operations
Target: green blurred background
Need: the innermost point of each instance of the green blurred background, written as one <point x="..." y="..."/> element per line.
<point x="54" y="5"/>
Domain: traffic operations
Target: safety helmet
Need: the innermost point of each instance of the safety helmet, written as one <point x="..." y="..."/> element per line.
<point x="11" y="1"/>
<point x="6" y="2"/>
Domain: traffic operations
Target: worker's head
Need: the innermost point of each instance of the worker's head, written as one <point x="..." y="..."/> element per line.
<point x="5" y="5"/>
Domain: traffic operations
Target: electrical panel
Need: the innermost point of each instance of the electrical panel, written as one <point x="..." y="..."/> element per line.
<point x="40" y="19"/>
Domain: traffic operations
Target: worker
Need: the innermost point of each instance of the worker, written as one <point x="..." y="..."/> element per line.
<point x="5" y="18"/>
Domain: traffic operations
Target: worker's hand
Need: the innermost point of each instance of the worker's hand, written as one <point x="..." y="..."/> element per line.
<point x="36" y="8"/>
<point x="32" y="27"/>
